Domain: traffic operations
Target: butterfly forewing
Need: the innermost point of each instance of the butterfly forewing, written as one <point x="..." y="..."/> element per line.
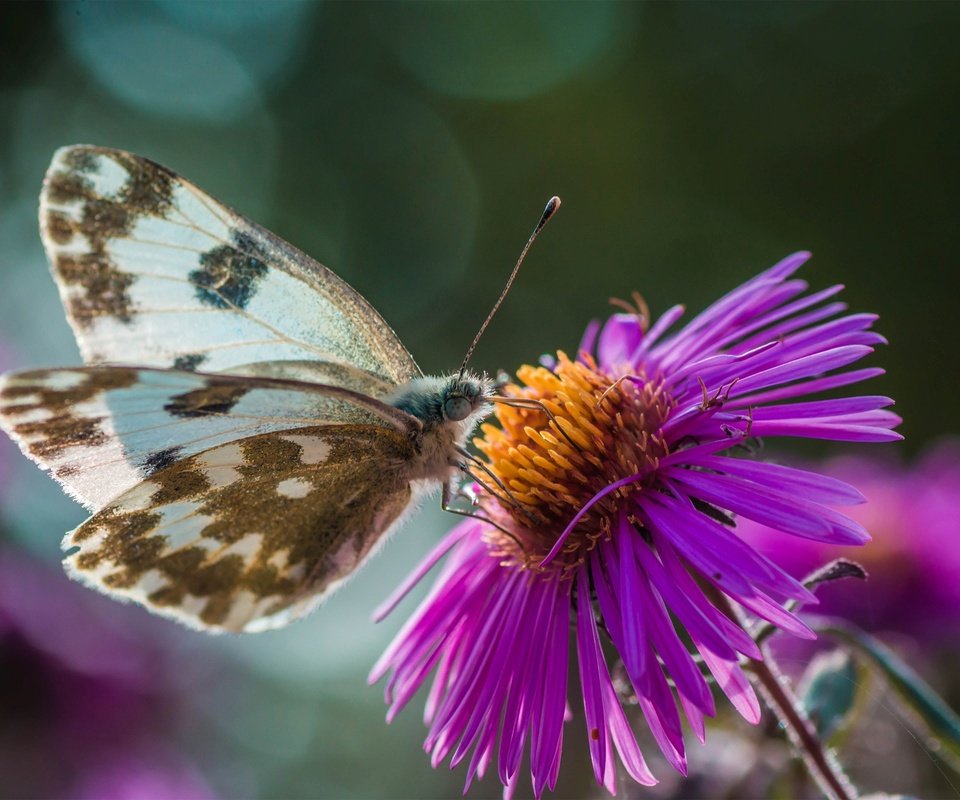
<point x="102" y="430"/>
<point x="154" y="271"/>
<point x="251" y="534"/>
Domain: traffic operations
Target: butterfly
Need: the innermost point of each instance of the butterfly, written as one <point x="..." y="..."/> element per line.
<point x="273" y="431"/>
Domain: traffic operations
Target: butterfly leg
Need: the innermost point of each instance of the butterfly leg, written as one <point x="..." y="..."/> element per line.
<point x="446" y="504"/>
<point x="486" y="487"/>
<point x="507" y="494"/>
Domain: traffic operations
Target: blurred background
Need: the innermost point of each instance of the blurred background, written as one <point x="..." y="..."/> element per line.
<point x="411" y="147"/>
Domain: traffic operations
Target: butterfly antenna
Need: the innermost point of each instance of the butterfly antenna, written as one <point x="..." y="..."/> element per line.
<point x="552" y="205"/>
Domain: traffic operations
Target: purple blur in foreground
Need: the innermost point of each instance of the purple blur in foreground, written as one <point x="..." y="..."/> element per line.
<point x="623" y="488"/>
<point x="90" y="698"/>
<point x="913" y="513"/>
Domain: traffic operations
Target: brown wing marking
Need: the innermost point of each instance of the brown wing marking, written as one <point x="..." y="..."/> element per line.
<point x="248" y="535"/>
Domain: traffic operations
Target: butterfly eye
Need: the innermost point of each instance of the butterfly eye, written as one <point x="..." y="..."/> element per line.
<point x="457" y="408"/>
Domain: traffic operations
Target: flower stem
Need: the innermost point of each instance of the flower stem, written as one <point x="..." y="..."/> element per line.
<point x="780" y="699"/>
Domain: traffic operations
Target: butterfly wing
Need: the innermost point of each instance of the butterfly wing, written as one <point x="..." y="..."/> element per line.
<point x="251" y="534"/>
<point x="102" y="430"/>
<point x="154" y="271"/>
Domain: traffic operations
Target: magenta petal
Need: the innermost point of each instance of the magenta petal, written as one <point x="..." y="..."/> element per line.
<point x="695" y="718"/>
<point x="767" y="330"/>
<point x="739" y="298"/>
<point x="836" y="431"/>
<point x="621" y="736"/>
<point x="619" y="341"/>
<point x="780" y="510"/>
<point x="562" y="538"/>
<point x="691" y="617"/>
<point x="735" y="685"/>
<point x="660" y="710"/>
<point x="483" y="751"/>
<point x="432" y="615"/>
<point x="676" y="657"/>
<point x="786" y="266"/>
<point x="701" y="334"/>
<point x="589" y="337"/>
<point x="807" y="387"/>
<point x="623" y="739"/>
<point x="526" y="677"/>
<point x="840" y="407"/>
<point x="488" y="662"/>
<point x="765" y="608"/>
<point x="812" y="485"/>
<point x="609" y="608"/>
<point x="548" y="724"/>
<point x="662" y="325"/>
<point x="589" y="658"/>
<point x="703" y="555"/>
<point x="633" y="621"/>
<point x="693" y="529"/>
<point x="440" y="682"/>
<point x="804" y="367"/>
<point x="439" y="551"/>
<point x="738" y="639"/>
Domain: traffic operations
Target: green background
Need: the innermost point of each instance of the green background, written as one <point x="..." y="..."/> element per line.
<point x="411" y="147"/>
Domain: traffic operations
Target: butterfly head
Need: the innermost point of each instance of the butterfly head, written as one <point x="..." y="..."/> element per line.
<point x="456" y="400"/>
<point x="462" y="396"/>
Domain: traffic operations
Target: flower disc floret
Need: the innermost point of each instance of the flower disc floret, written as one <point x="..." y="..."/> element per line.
<point x="587" y="430"/>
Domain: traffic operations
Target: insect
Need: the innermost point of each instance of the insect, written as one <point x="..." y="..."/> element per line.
<point x="274" y="430"/>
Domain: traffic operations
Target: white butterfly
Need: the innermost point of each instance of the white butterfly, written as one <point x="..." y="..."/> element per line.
<point x="274" y="430"/>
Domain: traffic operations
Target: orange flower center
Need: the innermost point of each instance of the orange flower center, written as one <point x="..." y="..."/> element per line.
<point x="570" y="433"/>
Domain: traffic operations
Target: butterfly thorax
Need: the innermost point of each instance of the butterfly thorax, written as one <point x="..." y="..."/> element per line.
<point x="450" y="408"/>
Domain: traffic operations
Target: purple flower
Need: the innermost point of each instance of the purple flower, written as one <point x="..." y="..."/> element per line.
<point x="89" y="695"/>
<point x="911" y="511"/>
<point x="162" y="777"/>
<point x="608" y="497"/>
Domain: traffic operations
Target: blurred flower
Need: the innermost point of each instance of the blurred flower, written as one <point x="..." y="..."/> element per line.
<point x="913" y="514"/>
<point x="85" y="687"/>
<point x="618" y="513"/>
<point x="158" y="779"/>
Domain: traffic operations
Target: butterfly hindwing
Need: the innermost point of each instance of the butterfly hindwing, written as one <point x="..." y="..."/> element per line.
<point x="252" y="534"/>
<point x="102" y="430"/>
<point x="154" y="271"/>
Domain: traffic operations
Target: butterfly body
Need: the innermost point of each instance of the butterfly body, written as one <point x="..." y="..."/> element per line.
<point x="448" y="409"/>
<point x="273" y="432"/>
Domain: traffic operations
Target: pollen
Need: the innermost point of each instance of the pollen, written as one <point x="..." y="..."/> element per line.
<point x="565" y="435"/>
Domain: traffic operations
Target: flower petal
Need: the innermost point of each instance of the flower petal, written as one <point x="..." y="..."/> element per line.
<point x="590" y="661"/>
<point x="781" y="510"/>
<point x="814" y="486"/>
<point x="619" y="341"/>
<point x="439" y="551"/>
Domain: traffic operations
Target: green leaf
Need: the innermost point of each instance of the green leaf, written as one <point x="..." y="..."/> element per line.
<point x="828" y="691"/>
<point x="939" y="722"/>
